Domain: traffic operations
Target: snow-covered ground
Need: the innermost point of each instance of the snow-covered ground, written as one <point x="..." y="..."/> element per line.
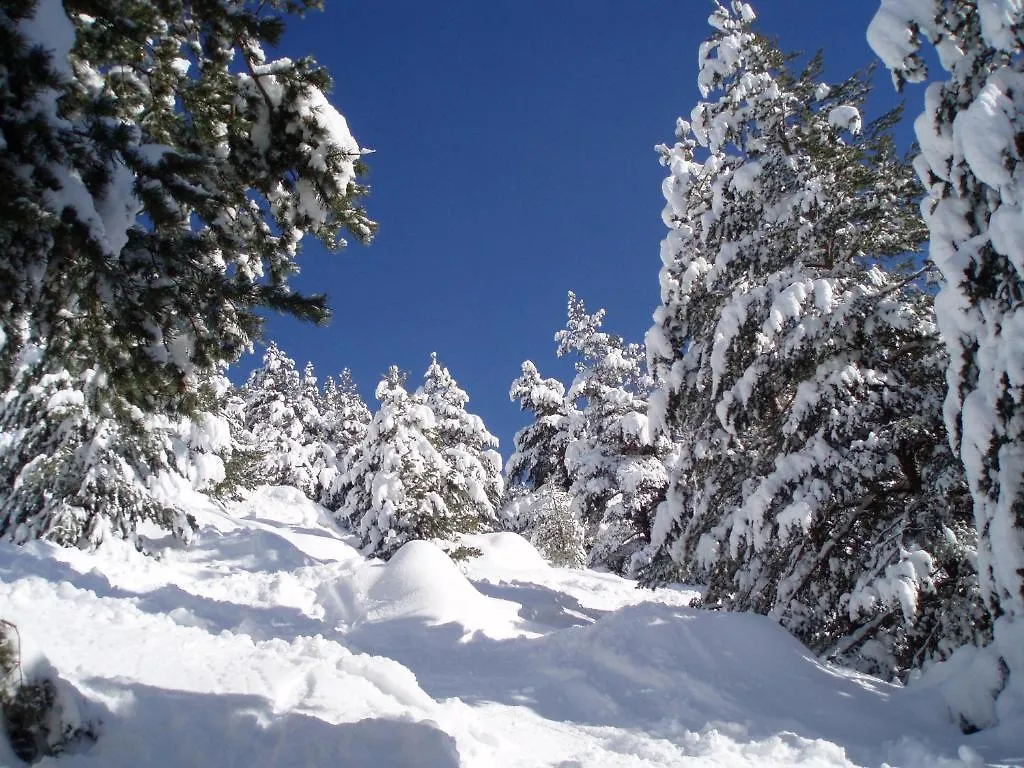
<point x="272" y="642"/>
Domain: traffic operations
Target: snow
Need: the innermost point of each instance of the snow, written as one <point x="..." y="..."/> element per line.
<point x="271" y="641"/>
<point x="846" y="118"/>
<point x="51" y="28"/>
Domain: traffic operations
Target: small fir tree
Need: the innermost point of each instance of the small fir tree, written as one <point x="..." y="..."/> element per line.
<point x="474" y="484"/>
<point x="346" y="419"/>
<point x="539" y="455"/>
<point x="614" y="465"/>
<point x="278" y="416"/>
<point x="399" y="486"/>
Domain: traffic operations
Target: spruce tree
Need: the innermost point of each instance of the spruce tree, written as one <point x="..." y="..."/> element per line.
<point x="346" y="415"/>
<point x="201" y="444"/>
<point x="474" y="485"/>
<point x="158" y="172"/>
<point x="397" y="487"/>
<point x="799" y="377"/>
<point x="280" y="416"/>
<point x="346" y="419"/>
<point x="614" y="464"/>
<point x="539" y="455"/>
<point x="970" y="135"/>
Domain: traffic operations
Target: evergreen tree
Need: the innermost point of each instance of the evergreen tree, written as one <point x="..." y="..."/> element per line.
<point x="346" y="415"/>
<point x="615" y="467"/>
<point x="320" y="452"/>
<point x="277" y="414"/>
<point x="398" y="486"/>
<point x="798" y="377"/>
<point x="474" y="486"/>
<point x="158" y="172"/>
<point x="200" y="445"/>
<point x="74" y="472"/>
<point x="539" y="455"/>
<point x="243" y="464"/>
<point x="346" y="419"/>
<point x="970" y="135"/>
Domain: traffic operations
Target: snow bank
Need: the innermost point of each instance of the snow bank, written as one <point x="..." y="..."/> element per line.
<point x="271" y="642"/>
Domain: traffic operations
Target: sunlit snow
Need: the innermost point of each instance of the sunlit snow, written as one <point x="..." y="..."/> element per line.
<point x="272" y="642"/>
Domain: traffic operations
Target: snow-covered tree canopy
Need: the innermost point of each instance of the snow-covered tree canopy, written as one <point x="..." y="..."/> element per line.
<point x="972" y="143"/>
<point x="157" y="173"/>
<point x="426" y="468"/>
<point x="475" y="482"/>
<point x="971" y="136"/>
<point x="798" y="377"/>
<point x="539" y="455"/>
<point x="613" y="462"/>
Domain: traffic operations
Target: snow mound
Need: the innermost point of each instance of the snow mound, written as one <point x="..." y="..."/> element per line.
<point x="505" y="552"/>
<point x="421" y="582"/>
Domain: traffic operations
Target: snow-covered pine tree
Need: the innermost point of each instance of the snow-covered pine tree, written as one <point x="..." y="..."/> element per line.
<point x="346" y="415"/>
<point x="474" y="486"/>
<point x="201" y="444"/>
<point x="157" y="174"/>
<point x="243" y="465"/>
<point x="799" y="378"/>
<point x="971" y="136"/>
<point x="74" y="472"/>
<point x="539" y="455"/>
<point x="277" y="415"/>
<point x="320" y="452"/>
<point x="550" y="525"/>
<point x="346" y="418"/>
<point x="615" y="467"/>
<point x="398" y="488"/>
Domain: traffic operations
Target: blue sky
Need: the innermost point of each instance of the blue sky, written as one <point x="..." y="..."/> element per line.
<point x="513" y="162"/>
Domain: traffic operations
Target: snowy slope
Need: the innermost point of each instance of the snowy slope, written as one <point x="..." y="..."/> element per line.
<point x="272" y="642"/>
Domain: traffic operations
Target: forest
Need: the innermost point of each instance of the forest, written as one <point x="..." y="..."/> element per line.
<point x="823" y="425"/>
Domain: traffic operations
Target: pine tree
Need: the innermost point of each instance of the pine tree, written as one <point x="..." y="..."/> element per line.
<point x="798" y="377"/>
<point x="73" y="472"/>
<point x="280" y="415"/>
<point x="555" y="530"/>
<point x="474" y="485"/>
<point x="970" y="135"/>
<point x="615" y="467"/>
<point x="346" y="419"/>
<point x="539" y="455"/>
<point x="200" y="445"/>
<point x="243" y="464"/>
<point x="397" y="486"/>
<point x="346" y="415"/>
<point x="321" y="453"/>
<point x="158" y="172"/>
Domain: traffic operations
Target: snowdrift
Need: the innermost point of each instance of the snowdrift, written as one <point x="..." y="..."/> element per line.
<point x="272" y="642"/>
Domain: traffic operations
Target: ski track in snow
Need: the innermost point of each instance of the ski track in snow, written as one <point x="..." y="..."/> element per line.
<point x="272" y="642"/>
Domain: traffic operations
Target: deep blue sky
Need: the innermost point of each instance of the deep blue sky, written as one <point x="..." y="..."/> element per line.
<point x="513" y="162"/>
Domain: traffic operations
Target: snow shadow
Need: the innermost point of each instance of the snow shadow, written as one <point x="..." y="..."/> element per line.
<point x="663" y="670"/>
<point x="184" y="608"/>
<point x="257" y="550"/>
<point x="145" y="726"/>
<point x="542" y="607"/>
